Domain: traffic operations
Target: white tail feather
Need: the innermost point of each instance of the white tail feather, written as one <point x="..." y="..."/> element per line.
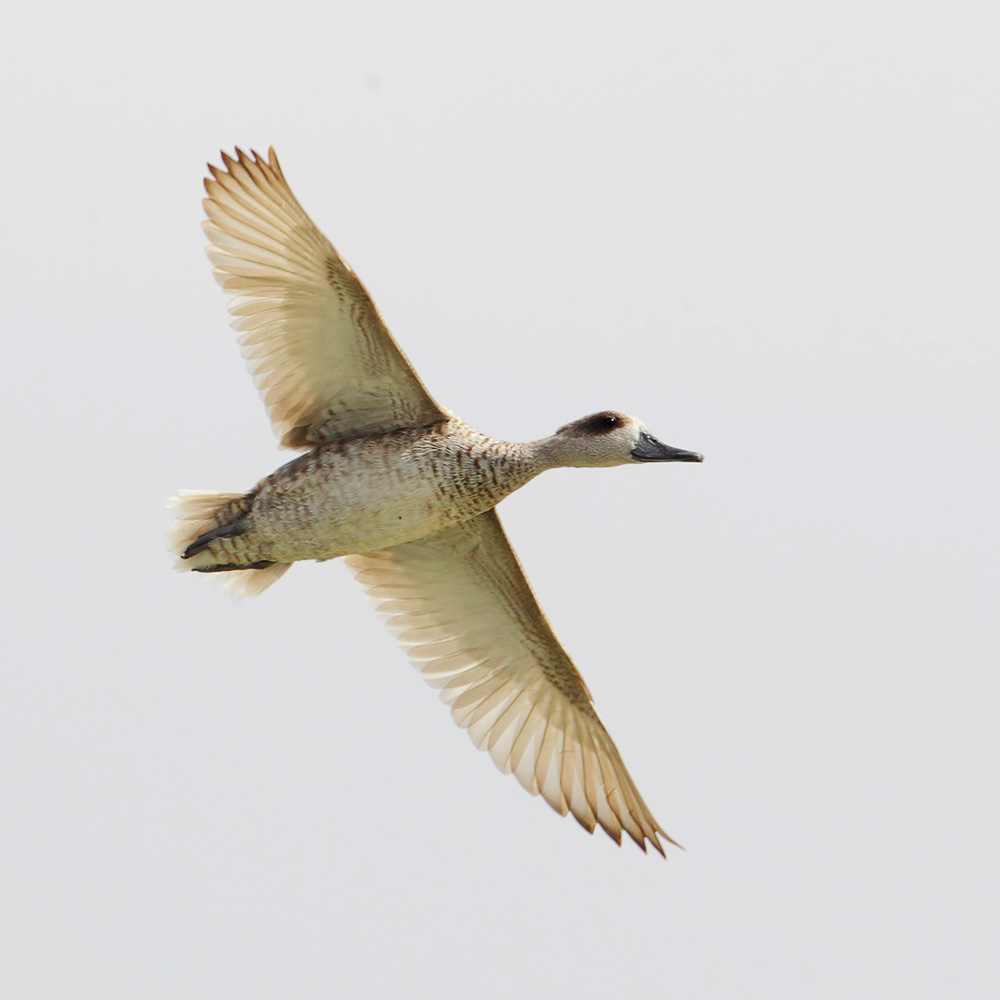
<point x="250" y="582"/>
<point x="197" y="512"/>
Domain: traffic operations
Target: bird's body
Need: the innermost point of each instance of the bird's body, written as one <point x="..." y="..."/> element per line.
<point x="406" y="491"/>
<point x="373" y="492"/>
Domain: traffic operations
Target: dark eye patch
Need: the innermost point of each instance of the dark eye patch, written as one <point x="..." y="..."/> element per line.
<point x="596" y="423"/>
<point x="601" y="423"/>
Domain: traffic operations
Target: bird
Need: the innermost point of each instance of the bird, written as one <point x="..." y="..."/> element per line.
<point x="406" y="492"/>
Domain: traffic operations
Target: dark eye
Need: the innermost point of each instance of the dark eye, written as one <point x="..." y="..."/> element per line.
<point x="610" y="422"/>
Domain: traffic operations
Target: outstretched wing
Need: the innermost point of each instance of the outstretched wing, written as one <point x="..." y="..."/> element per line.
<point x="319" y="352"/>
<point x="462" y="610"/>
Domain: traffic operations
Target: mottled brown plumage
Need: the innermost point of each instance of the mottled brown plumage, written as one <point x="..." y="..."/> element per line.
<point x="407" y="492"/>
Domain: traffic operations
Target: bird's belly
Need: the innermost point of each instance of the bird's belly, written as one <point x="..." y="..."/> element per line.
<point x="359" y="513"/>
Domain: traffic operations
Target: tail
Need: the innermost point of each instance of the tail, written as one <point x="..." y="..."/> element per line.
<point x="204" y="516"/>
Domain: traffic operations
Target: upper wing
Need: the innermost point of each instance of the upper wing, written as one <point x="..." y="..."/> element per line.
<point x="318" y="350"/>
<point x="466" y="617"/>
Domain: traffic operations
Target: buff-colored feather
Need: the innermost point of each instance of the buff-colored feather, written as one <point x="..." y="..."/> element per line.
<point x="317" y="348"/>
<point x="465" y="615"/>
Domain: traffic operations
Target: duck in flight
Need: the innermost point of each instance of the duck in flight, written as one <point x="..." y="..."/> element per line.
<point x="406" y="492"/>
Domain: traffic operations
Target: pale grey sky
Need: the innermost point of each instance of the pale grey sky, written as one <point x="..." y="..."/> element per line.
<point x="767" y="229"/>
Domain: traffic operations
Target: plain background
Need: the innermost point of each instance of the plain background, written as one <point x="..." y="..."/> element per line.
<point x="768" y="229"/>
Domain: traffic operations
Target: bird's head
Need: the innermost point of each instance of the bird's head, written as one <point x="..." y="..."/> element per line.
<point x="610" y="438"/>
